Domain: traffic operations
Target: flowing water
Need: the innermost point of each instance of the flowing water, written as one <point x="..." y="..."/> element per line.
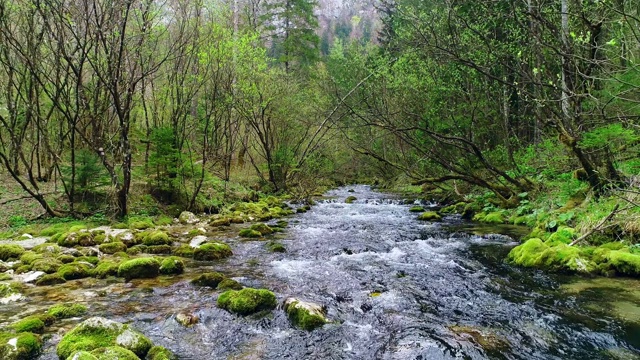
<point x="394" y="288"/>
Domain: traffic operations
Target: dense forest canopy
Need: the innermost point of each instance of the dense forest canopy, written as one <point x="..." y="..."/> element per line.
<point x="180" y="100"/>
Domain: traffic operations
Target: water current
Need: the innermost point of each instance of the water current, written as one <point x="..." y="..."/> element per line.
<point x="393" y="287"/>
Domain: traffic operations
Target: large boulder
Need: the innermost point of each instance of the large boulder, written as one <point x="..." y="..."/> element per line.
<point x="187" y="218"/>
<point x="304" y="315"/>
<point x="20" y="346"/>
<point x="98" y="332"/>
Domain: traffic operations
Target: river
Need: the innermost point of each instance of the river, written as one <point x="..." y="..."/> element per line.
<point x="393" y="287"/>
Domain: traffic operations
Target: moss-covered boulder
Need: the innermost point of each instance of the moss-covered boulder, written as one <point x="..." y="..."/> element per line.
<point x="430" y="216"/>
<point x="128" y="239"/>
<point x="74" y="270"/>
<point x="10" y="251"/>
<point x="220" y="222"/>
<point x="350" y="199"/>
<point x="82" y="355"/>
<point x="184" y="250"/>
<point x="262" y="228"/>
<point x="32" y="324"/>
<point x="157" y="237"/>
<point x="80" y="238"/>
<point x="114" y="353"/>
<point x="29" y="257"/>
<point x="50" y="279"/>
<point x="248" y="233"/>
<point x="304" y="315"/>
<point x="146" y="267"/>
<point x="247" y="301"/>
<point x="535" y="253"/>
<point x="563" y="235"/>
<point x="622" y="262"/>
<point x="172" y="266"/>
<point x="211" y="279"/>
<point x="21" y="346"/>
<point x="160" y="353"/>
<point x="274" y="246"/>
<point x="65" y="311"/>
<point x="212" y="251"/>
<point x="416" y="209"/>
<point x="187" y="218"/>
<point x="97" y="332"/>
<point x="229" y="284"/>
<point x="48" y="266"/>
<point x="112" y="247"/>
<point x="66" y="258"/>
<point x="106" y="268"/>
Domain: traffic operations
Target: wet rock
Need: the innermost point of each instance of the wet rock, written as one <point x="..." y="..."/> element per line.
<point x="50" y="279"/>
<point x="31" y="276"/>
<point x="112" y="247"/>
<point x="430" y="216"/>
<point x="350" y="199"/>
<point x="485" y="338"/>
<point x="187" y="218"/>
<point x="26" y="243"/>
<point x="416" y="209"/>
<point x="65" y="311"/>
<point x="172" y="266"/>
<point x="305" y="315"/>
<point x="187" y="320"/>
<point x="96" y="333"/>
<point x="146" y="267"/>
<point x="212" y="251"/>
<point x="127" y="238"/>
<point x="247" y="301"/>
<point x="249" y="233"/>
<point x="75" y="270"/>
<point x="20" y="346"/>
<point x="211" y="279"/>
<point x="198" y="240"/>
<point x="229" y="284"/>
<point x="263" y="229"/>
<point x="160" y="353"/>
<point x="276" y="247"/>
<point x="220" y="222"/>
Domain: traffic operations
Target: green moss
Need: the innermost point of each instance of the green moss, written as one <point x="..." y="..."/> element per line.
<point x="163" y="220"/>
<point x="137" y="249"/>
<point x="105" y="269"/>
<point x="29" y="324"/>
<point x="48" y="266"/>
<point x="156" y="237"/>
<point x="248" y="233"/>
<point x="304" y="315"/>
<point x="141" y="225"/>
<point x="496" y="217"/>
<point x="27" y="346"/>
<point x="10" y="251"/>
<point x="350" y="199"/>
<point x="172" y="266"/>
<point x="430" y="216"/>
<point x="65" y="311"/>
<point x="535" y="253"/>
<point x="263" y="229"/>
<point x="624" y="263"/>
<point x="146" y="267"/>
<point x="48" y="248"/>
<point x="220" y="222"/>
<point x="276" y="247"/>
<point x="160" y="353"/>
<point x="47" y="319"/>
<point x="5" y="276"/>
<point x="93" y="260"/>
<point x="82" y="355"/>
<point x="229" y="284"/>
<point x="29" y="257"/>
<point x="74" y="271"/>
<point x="112" y="247"/>
<point x="416" y="209"/>
<point x="247" y="301"/>
<point x="212" y="251"/>
<point x="114" y="353"/>
<point x="96" y="333"/>
<point x="159" y="249"/>
<point x="71" y="239"/>
<point x="211" y="279"/>
<point x="65" y="258"/>
<point x="564" y="235"/>
<point x="50" y="279"/>
<point x="100" y="238"/>
<point x="528" y="254"/>
<point x="184" y="251"/>
<point x="612" y="246"/>
<point x="23" y="269"/>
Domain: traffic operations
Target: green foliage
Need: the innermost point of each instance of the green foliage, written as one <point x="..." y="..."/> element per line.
<point x="17" y="221"/>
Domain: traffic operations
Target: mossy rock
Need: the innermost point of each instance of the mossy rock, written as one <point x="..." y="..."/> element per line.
<point x="74" y="271"/>
<point x="146" y="267"/>
<point x="172" y="266"/>
<point x="10" y="251"/>
<point x="114" y="353"/>
<point x="305" y="315"/>
<point x="93" y="260"/>
<point x="282" y="223"/>
<point x="263" y="229"/>
<point x="564" y="235"/>
<point x="106" y="268"/>
<point x="48" y="266"/>
<point x="8" y="289"/>
<point x="247" y="301"/>
<point x="416" y="209"/>
<point x="220" y="222"/>
<point x="112" y="247"/>
<point x="65" y="311"/>
<point x="82" y="355"/>
<point x="248" y="233"/>
<point x="23" y="269"/>
<point x="160" y="353"/>
<point x="187" y="218"/>
<point x="470" y="210"/>
<point x="50" y="279"/>
<point x="65" y="258"/>
<point x="47" y="249"/>
<point x="430" y="216"/>
<point x="32" y="324"/>
<point x="496" y="217"/>
<point x="29" y="257"/>
<point x="276" y="247"/>
<point x="623" y="262"/>
<point x="157" y="237"/>
<point x="128" y="239"/>
<point x="184" y="250"/>
<point x="27" y="346"/>
<point x="137" y="249"/>
<point x="140" y="225"/>
<point x="535" y="253"/>
<point x="211" y="279"/>
<point x="97" y="332"/>
<point x="212" y="251"/>
<point x="229" y="284"/>
<point x="83" y="238"/>
<point x="350" y="199"/>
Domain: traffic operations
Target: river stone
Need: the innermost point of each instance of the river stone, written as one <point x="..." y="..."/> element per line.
<point x="198" y="240"/>
<point x="187" y="320"/>
<point x="19" y="347"/>
<point x="305" y="315"/>
<point x="187" y="218"/>
<point x="30" y="276"/>
<point x="98" y="332"/>
<point x="28" y="243"/>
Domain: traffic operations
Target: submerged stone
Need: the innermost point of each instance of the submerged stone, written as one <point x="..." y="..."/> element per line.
<point x="488" y="340"/>
<point x="97" y="332"/>
<point x="211" y="279"/>
<point x="350" y="199"/>
<point x="247" y="301"/>
<point x="304" y="315"/>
